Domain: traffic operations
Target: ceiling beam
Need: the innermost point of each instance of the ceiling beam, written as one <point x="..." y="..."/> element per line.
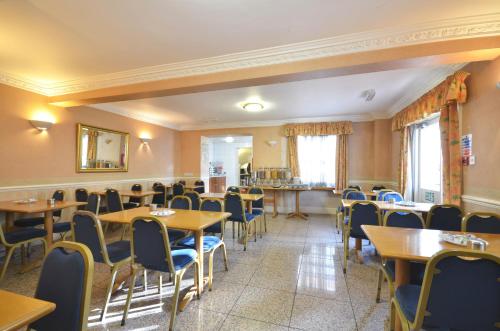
<point x="437" y="53"/>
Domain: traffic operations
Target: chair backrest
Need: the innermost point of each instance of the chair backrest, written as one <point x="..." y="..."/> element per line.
<point x="160" y="197"/>
<point x="200" y="186"/>
<point x="445" y="217"/>
<point x="356" y="195"/>
<point x="211" y="205"/>
<point x="135" y="188"/>
<point x="178" y="189"/>
<point x="113" y="201"/>
<point x="233" y="203"/>
<point x="357" y="187"/>
<point x="150" y="246"/>
<point x="481" y="223"/>
<point x="181" y="202"/>
<point x="81" y="195"/>
<point x="381" y="193"/>
<point x="93" y="203"/>
<point x="259" y="204"/>
<point x="392" y="195"/>
<point x="460" y="291"/>
<point x="404" y="219"/>
<point x="183" y="182"/>
<point x="195" y="199"/>
<point x="234" y="189"/>
<point x="66" y="280"/>
<point x="87" y="230"/>
<point x="363" y="213"/>
<point x="346" y="191"/>
<point x="378" y="187"/>
<point x="58" y="195"/>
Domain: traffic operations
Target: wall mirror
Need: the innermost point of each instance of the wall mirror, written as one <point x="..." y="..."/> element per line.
<point x="101" y="150"/>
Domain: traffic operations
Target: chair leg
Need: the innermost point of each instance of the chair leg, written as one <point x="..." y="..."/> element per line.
<point x="23" y="254"/>
<point x="346" y="252"/>
<point x="233" y="229"/>
<point x="260" y="225"/>
<point x="265" y="220"/>
<point x="224" y="252"/>
<point x="245" y="240"/>
<point x="114" y="272"/>
<point x="175" y="299"/>
<point x="145" y="280"/>
<point x="129" y="295"/>
<point x="124" y="231"/>
<point x="255" y="228"/>
<point x="392" y="313"/>
<point x="211" y="269"/>
<point x="379" y="286"/>
<point x="160" y="281"/>
<point x="10" y="251"/>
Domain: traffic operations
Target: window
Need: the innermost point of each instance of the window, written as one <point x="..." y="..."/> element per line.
<point x="426" y="163"/>
<point x="316" y="156"/>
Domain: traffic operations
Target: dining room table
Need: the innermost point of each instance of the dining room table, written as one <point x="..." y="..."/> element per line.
<point x="11" y="208"/>
<point x="247" y="198"/>
<point x="18" y="311"/>
<point x="142" y="195"/>
<point x="404" y="245"/>
<point x="194" y="221"/>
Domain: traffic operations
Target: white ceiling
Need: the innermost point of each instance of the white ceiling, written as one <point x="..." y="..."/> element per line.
<point x="336" y="98"/>
<point x="59" y="40"/>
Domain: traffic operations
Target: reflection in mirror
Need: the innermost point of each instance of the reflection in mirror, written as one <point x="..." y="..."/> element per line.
<point x="101" y="149"/>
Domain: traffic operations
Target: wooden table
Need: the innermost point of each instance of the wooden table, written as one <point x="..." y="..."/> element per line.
<point x="297" y="190"/>
<point x="421" y="207"/>
<point x="248" y="198"/>
<point x="367" y="193"/>
<point x="17" y="311"/>
<point x="405" y="245"/>
<point x="132" y="194"/>
<point x="190" y="220"/>
<point x="12" y="207"/>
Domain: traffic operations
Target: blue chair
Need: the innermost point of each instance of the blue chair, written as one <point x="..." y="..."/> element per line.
<point x="160" y="198"/>
<point x="258" y="207"/>
<point x="40" y="220"/>
<point x="66" y="280"/>
<point x="341" y="211"/>
<point x="200" y="186"/>
<point x="19" y="238"/>
<point x="392" y="195"/>
<point x="87" y="230"/>
<point x="381" y="193"/>
<point x="401" y="219"/>
<point x="81" y="195"/>
<point x="113" y="201"/>
<point x="378" y="187"/>
<point x="460" y="291"/>
<point x="356" y="187"/>
<point x="133" y="202"/>
<point x="445" y="218"/>
<point x="151" y="250"/>
<point x="93" y="203"/>
<point x="181" y="202"/>
<point x="210" y="243"/>
<point x="234" y="189"/>
<point x="361" y="213"/>
<point x="178" y="189"/>
<point x="195" y="199"/>
<point x="355" y="195"/>
<point x="481" y="223"/>
<point x="233" y="203"/>
<point x="182" y="182"/>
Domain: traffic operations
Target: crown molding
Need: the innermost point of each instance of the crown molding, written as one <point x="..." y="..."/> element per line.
<point x="441" y="30"/>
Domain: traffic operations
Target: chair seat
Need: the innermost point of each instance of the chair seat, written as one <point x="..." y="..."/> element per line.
<point x="130" y="205"/>
<point x="24" y="234"/>
<point x="248" y="216"/>
<point x="28" y="222"/>
<point x="209" y="242"/>
<point x="257" y="212"/>
<point x="118" y="250"/>
<point x="182" y="257"/>
<point x="407" y="296"/>
<point x="417" y="271"/>
<point x="61" y="227"/>
<point x="174" y="235"/>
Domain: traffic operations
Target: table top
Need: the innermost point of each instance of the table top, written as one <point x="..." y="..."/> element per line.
<point x="17" y="311"/>
<point x="367" y="193"/>
<point x="417" y="244"/>
<point x="384" y="205"/>
<point x="130" y="193"/>
<point x="192" y="187"/>
<point x="192" y="220"/>
<point x="220" y="196"/>
<point x="39" y="206"/>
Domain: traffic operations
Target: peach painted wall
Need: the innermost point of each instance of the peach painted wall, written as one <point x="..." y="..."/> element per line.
<point x="29" y="157"/>
<point x="481" y="118"/>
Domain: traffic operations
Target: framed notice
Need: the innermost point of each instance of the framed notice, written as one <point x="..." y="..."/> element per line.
<point x="466" y="145"/>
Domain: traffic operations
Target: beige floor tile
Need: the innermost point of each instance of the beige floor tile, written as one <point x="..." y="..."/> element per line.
<point x="222" y="298"/>
<point x="235" y="323"/>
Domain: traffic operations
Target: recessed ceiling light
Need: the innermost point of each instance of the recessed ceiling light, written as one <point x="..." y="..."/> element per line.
<point x="229" y="139"/>
<point x="252" y="106"/>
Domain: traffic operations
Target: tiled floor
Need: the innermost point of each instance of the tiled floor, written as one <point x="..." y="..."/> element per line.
<point x="291" y="279"/>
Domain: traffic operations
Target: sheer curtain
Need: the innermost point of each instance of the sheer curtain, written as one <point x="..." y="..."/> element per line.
<point x="316" y="156"/>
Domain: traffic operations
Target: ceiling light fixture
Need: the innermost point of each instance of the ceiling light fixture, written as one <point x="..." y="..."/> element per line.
<point x="368" y="95"/>
<point x="253" y="106"/>
<point x="229" y="139"/>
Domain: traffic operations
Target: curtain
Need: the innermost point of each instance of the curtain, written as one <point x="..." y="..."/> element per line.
<point x="318" y="129"/>
<point x="450" y="147"/>
<point x="341" y="160"/>
<point x="92" y="145"/>
<point x="293" y="159"/>
<point x="403" y="159"/>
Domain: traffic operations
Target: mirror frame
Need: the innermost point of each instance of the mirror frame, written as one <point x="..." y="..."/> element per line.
<point x="79" y="169"/>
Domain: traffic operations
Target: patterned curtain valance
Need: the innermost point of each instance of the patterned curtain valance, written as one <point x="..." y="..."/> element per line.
<point x="453" y="88"/>
<point x="317" y="129"/>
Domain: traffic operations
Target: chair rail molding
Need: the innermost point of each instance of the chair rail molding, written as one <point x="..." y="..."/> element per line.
<point x="480" y="201"/>
<point x="441" y="30"/>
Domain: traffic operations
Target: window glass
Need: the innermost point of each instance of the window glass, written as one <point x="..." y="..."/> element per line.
<point x="316" y="156"/>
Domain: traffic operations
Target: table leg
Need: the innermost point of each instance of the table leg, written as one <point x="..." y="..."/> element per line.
<point x="402" y="278"/>
<point x="48" y="224"/>
<point x="275" y="205"/>
<point x="142" y="202"/>
<point x="9" y="221"/>
<point x="359" y="252"/>
<point x="297" y="212"/>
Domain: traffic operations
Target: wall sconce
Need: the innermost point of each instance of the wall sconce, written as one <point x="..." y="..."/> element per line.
<point x="41" y="125"/>
<point x="272" y="143"/>
<point x="145" y="140"/>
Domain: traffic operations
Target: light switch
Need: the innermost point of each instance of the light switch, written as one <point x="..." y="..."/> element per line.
<point x="472" y="160"/>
